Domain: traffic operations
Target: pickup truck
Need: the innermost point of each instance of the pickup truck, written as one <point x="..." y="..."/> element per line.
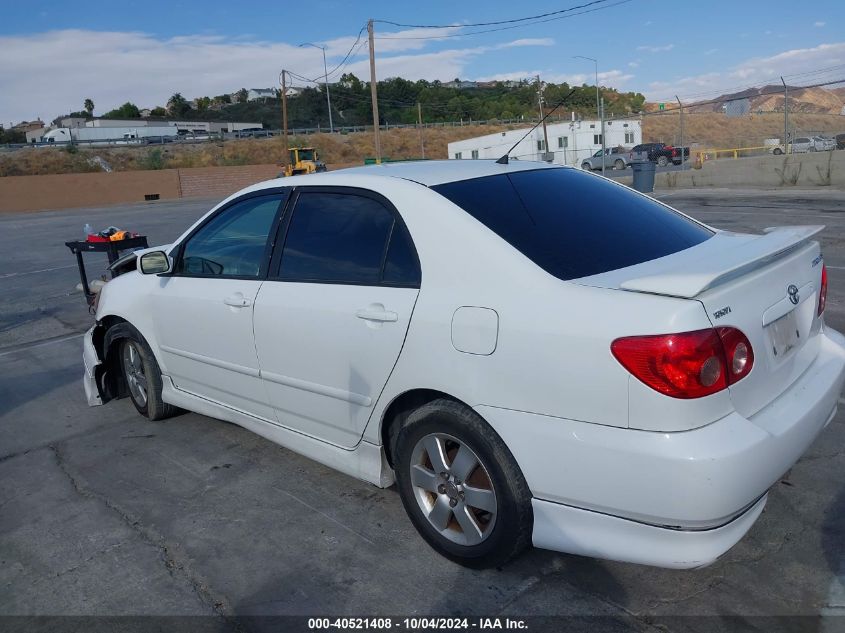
<point x="659" y="153"/>
<point x="614" y="158"/>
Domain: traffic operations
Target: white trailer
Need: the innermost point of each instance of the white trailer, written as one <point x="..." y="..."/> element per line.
<point x="109" y="135"/>
<point x="570" y="142"/>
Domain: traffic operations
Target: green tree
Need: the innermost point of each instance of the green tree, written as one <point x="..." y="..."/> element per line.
<point x="203" y="103"/>
<point x="158" y="111"/>
<point x="177" y="105"/>
<point x="89" y="106"/>
<point x="242" y="95"/>
<point x="127" y="111"/>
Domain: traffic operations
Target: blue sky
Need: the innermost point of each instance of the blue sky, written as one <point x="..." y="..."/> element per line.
<point x="52" y="56"/>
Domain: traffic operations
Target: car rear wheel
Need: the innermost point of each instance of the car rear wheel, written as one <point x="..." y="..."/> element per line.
<point x="460" y="485"/>
<point x="777" y="151"/>
<point x="139" y="371"/>
<point x="586" y="166"/>
<point x="619" y="164"/>
<point x="662" y="161"/>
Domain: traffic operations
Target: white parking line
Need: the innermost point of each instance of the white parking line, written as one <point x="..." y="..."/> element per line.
<point x="33" y="272"/>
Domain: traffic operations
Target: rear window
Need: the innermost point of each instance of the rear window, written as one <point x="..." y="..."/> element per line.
<point x="573" y="224"/>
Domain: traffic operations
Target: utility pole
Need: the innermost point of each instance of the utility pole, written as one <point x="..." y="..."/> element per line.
<point x="419" y="123"/>
<point x="542" y="118"/>
<point x="786" y="146"/>
<point x="284" y="120"/>
<point x="374" y="92"/>
<point x="681" y="109"/>
<point x="603" y="149"/>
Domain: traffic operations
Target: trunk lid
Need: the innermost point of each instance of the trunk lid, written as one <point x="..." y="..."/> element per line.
<point x="766" y="285"/>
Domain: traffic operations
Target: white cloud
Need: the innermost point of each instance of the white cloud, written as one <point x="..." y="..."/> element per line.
<point x="53" y="72"/>
<point x="819" y="24"/>
<point x="656" y="49"/>
<point x="530" y="41"/>
<point x="793" y="64"/>
<point x="633" y="64"/>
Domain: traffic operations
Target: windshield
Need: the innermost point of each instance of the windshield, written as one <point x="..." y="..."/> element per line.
<point x="573" y="224"/>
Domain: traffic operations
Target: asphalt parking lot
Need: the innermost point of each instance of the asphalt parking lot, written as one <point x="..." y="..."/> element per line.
<point x="104" y="513"/>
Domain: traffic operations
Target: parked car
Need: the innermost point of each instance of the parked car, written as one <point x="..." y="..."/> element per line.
<point x="840" y="141"/>
<point x="614" y="158"/>
<point x="534" y="354"/>
<point x="679" y="155"/>
<point x="823" y="143"/>
<point x="659" y="153"/>
<point x="802" y="145"/>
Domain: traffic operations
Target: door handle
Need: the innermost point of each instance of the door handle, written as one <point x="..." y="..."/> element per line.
<point x="377" y="315"/>
<point x="237" y="300"/>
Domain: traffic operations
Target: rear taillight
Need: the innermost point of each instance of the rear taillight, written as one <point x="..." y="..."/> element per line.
<point x="739" y="357"/>
<point x="687" y="364"/>
<point x="823" y="291"/>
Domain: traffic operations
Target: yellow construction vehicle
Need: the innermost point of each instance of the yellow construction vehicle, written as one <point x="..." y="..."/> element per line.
<point x="303" y="160"/>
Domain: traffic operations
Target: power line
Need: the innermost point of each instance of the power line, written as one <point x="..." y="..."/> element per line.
<point x="504" y="28"/>
<point x="461" y="26"/>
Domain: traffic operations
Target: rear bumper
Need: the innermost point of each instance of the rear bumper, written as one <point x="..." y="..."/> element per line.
<point x="698" y="482"/>
<point x="90" y="361"/>
<point x="564" y="528"/>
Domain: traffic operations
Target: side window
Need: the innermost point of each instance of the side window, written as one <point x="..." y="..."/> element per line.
<point x="401" y="266"/>
<point x="336" y="237"/>
<point x="232" y="243"/>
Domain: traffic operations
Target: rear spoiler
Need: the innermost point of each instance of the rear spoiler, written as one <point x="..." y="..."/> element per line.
<point x="699" y="275"/>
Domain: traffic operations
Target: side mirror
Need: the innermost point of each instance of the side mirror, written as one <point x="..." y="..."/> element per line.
<point x="154" y="263"/>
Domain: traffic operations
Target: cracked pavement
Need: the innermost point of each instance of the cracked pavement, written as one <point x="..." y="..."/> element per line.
<point x="104" y="513"/>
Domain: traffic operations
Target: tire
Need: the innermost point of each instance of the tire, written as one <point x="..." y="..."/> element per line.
<point x="619" y="164"/>
<point x="478" y="536"/>
<point x="777" y="151"/>
<point x="662" y="161"/>
<point x="136" y="365"/>
<point x="586" y="167"/>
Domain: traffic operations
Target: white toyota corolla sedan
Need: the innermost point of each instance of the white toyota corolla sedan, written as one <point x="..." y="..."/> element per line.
<point x="534" y="354"/>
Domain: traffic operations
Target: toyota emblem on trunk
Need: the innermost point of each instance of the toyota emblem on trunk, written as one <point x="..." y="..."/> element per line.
<point x="792" y="291"/>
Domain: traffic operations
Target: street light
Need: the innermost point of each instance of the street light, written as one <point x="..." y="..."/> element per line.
<point x="598" y="113"/>
<point x="326" y="79"/>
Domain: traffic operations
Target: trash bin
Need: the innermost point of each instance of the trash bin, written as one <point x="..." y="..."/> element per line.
<point x="644" y="176"/>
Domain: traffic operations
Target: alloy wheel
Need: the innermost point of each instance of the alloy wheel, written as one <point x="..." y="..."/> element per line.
<point x="453" y="489"/>
<point x="133" y="370"/>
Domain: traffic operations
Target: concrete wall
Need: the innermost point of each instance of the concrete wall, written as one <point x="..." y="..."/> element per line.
<point x="65" y="191"/>
<point x="826" y="169"/>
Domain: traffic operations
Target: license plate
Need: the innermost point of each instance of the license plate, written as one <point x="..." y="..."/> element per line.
<point x="784" y="334"/>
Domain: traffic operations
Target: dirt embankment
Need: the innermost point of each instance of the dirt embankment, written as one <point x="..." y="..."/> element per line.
<point x="710" y="129"/>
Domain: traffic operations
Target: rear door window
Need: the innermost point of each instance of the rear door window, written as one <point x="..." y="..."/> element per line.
<point x="573" y="224"/>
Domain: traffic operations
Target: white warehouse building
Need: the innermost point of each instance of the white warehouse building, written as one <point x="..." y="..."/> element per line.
<point x="570" y="141"/>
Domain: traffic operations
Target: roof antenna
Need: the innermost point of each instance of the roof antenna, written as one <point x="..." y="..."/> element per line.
<point x="504" y="159"/>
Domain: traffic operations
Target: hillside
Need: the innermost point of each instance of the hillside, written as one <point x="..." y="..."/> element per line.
<point x="715" y="130"/>
<point x="771" y="98"/>
<point x="708" y="129"/>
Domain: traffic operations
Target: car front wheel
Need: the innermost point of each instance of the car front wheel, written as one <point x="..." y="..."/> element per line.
<point x="662" y="161"/>
<point x="586" y="166"/>
<point x="139" y="371"/>
<point x="619" y="164"/>
<point x="461" y="487"/>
